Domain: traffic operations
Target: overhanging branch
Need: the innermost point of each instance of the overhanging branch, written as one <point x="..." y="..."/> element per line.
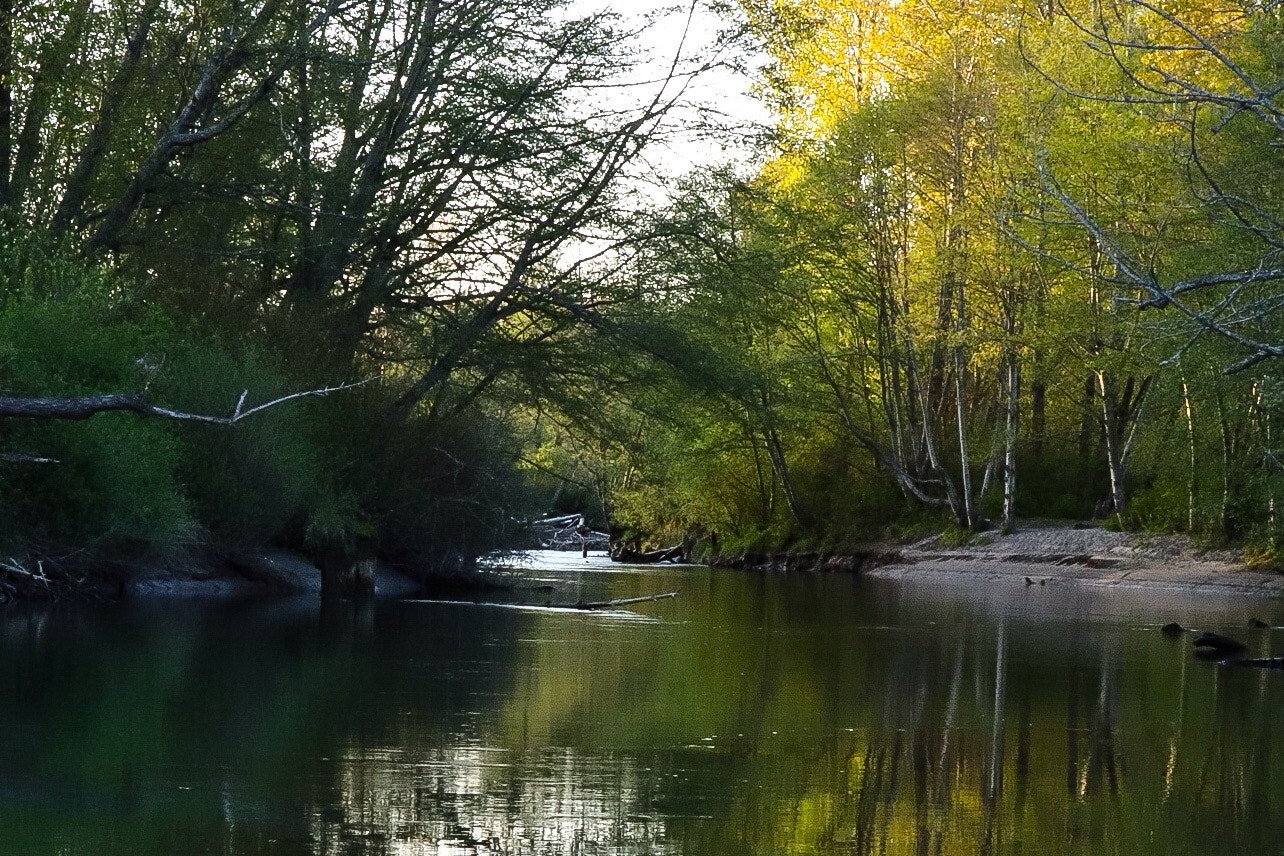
<point x="86" y="406"/>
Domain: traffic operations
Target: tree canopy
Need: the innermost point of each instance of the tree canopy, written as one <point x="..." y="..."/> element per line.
<point x="996" y="260"/>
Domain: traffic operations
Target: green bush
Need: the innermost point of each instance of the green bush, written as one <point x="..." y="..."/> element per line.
<point x="262" y="479"/>
<point x="1163" y="507"/>
<point x="116" y="483"/>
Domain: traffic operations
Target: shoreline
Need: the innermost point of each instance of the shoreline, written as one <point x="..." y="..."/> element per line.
<point x="1039" y="553"/>
<point x="1197" y="577"/>
<point x="257" y="573"/>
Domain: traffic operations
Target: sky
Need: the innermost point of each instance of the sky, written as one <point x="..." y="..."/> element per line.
<point x="718" y="93"/>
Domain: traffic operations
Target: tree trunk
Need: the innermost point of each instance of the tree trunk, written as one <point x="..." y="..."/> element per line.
<point x="76" y="189"/>
<point x="1038" y="419"/>
<point x="1089" y="424"/>
<point x="965" y="463"/>
<point x="1270" y="461"/>
<point x="1113" y="430"/>
<point x="1009" y="440"/>
<point x="56" y="55"/>
<point x="347" y="570"/>
<point x="6" y="99"/>
<point x="780" y="466"/>
<point x="1228" y="443"/>
<point x="934" y="463"/>
<point x="195" y="123"/>
<point x="1192" y="486"/>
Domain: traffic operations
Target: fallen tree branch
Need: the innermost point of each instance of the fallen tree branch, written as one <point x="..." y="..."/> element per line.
<point x="624" y="601"/>
<point x="25" y="458"/>
<point x="85" y="406"/>
<point x="38" y="582"/>
<point x="566" y="520"/>
<point x="12" y="567"/>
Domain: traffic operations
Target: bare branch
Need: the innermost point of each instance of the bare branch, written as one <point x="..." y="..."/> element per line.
<point x="85" y="406"/>
<point x="1168" y="296"/>
<point x="25" y="458"/>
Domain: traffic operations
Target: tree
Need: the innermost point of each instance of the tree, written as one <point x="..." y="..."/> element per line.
<point x="434" y="192"/>
<point x="1212" y="75"/>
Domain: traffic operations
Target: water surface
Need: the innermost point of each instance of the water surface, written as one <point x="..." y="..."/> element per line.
<point x="753" y="715"/>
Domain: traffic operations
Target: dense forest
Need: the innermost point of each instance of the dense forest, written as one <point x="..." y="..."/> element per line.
<point x="1002" y="260"/>
<point x="994" y="260"/>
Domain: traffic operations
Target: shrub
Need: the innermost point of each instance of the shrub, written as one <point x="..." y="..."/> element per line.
<point x="116" y="483"/>
<point x="262" y="479"/>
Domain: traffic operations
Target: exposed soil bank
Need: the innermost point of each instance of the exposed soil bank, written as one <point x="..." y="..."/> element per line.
<point x="1041" y="554"/>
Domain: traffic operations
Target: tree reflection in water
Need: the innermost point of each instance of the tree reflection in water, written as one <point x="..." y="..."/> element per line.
<point x="758" y="715"/>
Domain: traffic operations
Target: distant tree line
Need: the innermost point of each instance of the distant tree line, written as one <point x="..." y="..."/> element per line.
<point x="1003" y="260"/>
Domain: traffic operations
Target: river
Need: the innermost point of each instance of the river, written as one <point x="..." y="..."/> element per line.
<point x="753" y="715"/>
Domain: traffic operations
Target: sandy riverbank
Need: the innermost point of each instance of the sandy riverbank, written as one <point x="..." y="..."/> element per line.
<point x="1055" y="554"/>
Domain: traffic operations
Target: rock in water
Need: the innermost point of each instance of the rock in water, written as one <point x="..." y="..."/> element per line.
<point x="1172" y="628"/>
<point x="1219" y="644"/>
<point x="1257" y="623"/>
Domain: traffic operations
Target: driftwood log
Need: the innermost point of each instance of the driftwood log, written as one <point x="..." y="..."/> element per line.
<point x="624" y="601"/>
<point x="1257" y="662"/>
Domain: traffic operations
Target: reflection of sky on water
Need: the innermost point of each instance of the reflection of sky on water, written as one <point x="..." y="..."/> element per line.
<point x="458" y="804"/>
<point x="753" y="714"/>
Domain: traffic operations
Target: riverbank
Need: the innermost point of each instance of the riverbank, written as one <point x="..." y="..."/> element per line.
<point x="1036" y="554"/>
<point x="222" y="575"/>
<point x="251" y="573"/>
<point x="1040" y="553"/>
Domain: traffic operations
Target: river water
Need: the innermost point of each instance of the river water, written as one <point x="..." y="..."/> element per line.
<point x="753" y="715"/>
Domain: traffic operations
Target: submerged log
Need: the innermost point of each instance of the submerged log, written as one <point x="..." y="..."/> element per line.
<point x="624" y="601"/>
<point x="586" y="605"/>
<point x="1258" y="662"/>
